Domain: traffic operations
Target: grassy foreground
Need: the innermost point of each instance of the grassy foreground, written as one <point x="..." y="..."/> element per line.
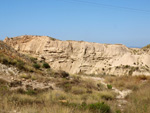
<point x="76" y="96"/>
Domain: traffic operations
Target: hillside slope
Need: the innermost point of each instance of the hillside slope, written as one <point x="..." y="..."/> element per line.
<point x="84" y="57"/>
<point x="20" y="71"/>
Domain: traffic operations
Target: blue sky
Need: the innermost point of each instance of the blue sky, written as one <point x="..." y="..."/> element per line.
<point x="91" y="20"/>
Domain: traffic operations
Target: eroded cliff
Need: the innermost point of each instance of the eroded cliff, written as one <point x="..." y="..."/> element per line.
<point x="84" y="57"/>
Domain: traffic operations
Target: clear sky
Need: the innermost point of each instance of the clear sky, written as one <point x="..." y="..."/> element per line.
<point x="102" y="21"/>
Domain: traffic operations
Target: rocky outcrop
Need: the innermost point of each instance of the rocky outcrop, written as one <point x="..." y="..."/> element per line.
<point x="15" y="80"/>
<point x="84" y="57"/>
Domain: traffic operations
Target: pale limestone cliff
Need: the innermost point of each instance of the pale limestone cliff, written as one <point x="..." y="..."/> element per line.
<point x="84" y="57"/>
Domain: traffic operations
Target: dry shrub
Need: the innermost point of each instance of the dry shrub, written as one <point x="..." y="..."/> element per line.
<point x="78" y="90"/>
<point x="107" y="95"/>
<point x="25" y="76"/>
<point x="127" y="82"/>
<point x="89" y="84"/>
<point x="61" y="74"/>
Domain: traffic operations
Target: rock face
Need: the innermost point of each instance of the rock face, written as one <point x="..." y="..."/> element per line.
<point x="84" y="57"/>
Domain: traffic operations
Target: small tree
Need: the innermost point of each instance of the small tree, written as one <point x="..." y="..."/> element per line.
<point x="109" y="86"/>
<point x="46" y="65"/>
<point x="36" y="66"/>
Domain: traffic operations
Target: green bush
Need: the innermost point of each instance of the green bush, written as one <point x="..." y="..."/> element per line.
<point x="99" y="107"/>
<point x="109" y="86"/>
<point x="46" y="65"/>
<point x="36" y="66"/>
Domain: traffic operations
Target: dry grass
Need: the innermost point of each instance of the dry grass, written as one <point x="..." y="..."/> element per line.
<point x="49" y="102"/>
<point x="139" y="101"/>
<point x="56" y="101"/>
<point x="126" y="82"/>
<point x="6" y="107"/>
<point x="59" y="101"/>
<point x="107" y="95"/>
<point x="78" y="90"/>
<point x="146" y="47"/>
<point x="25" y="76"/>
